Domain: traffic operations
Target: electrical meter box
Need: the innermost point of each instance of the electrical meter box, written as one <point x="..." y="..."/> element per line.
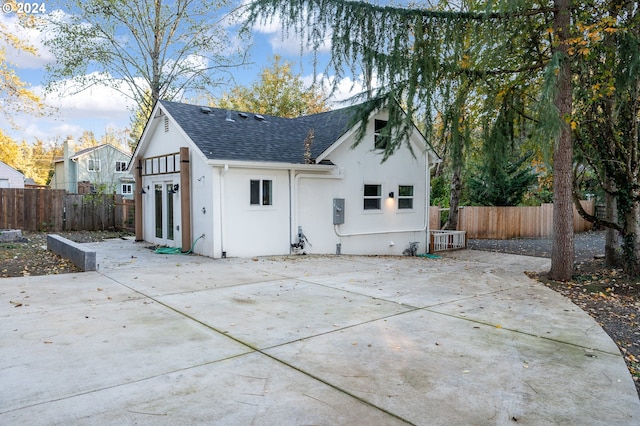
<point x="338" y="211"/>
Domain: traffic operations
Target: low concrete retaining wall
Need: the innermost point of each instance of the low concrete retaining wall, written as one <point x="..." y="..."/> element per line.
<point x="82" y="257"/>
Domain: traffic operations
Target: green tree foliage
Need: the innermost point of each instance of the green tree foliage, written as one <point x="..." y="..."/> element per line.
<point x="504" y="176"/>
<point x="278" y="92"/>
<point x="503" y="183"/>
<point x="414" y="52"/>
<point x="166" y="49"/>
<point x="607" y="115"/>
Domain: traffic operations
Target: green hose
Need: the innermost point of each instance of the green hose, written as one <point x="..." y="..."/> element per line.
<point x="176" y="250"/>
<point x="429" y="256"/>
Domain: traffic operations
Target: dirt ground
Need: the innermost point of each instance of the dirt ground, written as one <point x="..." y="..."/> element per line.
<point x="608" y="295"/>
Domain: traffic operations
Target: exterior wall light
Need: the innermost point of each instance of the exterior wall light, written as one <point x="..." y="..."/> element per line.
<point x="391" y="194"/>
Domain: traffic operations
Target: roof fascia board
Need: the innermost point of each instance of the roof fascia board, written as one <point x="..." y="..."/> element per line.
<point x="423" y="147"/>
<point x="152" y="123"/>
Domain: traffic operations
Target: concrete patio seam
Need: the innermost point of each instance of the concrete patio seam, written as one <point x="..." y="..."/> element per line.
<point x="272" y="357"/>
<point x="139" y="380"/>
<point x="496" y="326"/>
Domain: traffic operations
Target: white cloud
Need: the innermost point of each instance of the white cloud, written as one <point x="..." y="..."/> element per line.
<point x="286" y="43"/>
<point x="343" y="89"/>
<point x="72" y="112"/>
<point x="108" y="96"/>
<point x="32" y="37"/>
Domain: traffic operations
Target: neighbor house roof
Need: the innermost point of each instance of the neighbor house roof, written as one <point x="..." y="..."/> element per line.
<point x="86" y="151"/>
<point x="229" y="135"/>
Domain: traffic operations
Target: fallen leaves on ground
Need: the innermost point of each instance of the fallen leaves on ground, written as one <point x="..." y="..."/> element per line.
<point x="29" y="255"/>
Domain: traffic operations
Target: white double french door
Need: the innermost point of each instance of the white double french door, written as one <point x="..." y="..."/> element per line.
<point x="164" y="198"/>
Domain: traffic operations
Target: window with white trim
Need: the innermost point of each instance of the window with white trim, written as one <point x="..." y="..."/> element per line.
<point x="261" y="191"/>
<point x="93" y="165"/>
<point x="372" y="197"/>
<point x="127" y="189"/>
<point x="405" y="196"/>
<point x="121" y="166"/>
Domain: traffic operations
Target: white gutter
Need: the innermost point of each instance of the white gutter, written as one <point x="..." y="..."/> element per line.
<point x="271" y="165"/>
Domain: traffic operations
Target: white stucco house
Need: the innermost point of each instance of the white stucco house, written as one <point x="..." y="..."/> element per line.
<point x="235" y="184"/>
<point x="102" y="167"/>
<point x="10" y="177"/>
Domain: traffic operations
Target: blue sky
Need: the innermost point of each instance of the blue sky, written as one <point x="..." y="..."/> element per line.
<point x="100" y="109"/>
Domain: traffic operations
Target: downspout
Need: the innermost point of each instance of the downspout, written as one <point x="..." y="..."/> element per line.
<point x="223" y="172"/>
<point x="290" y="212"/>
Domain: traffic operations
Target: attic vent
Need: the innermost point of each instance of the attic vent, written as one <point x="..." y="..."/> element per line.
<point x="205" y="110"/>
<point x="243" y="114"/>
<point x="259" y="117"/>
<point x="166" y="123"/>
<point x="229" y="119"/>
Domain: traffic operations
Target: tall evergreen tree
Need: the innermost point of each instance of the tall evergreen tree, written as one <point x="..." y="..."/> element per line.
<point x="412" y="51"/>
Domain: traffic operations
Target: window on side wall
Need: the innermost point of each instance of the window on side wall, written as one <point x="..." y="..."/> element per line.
<point x="381" y="141"/>
<point x="261" y="191"/>
<point x="94" y="165"/>
<point x="372" y="197"/>
<point x="121" y="166"/>
<point x="405" y="197"/>
<point x="127" y="189"/>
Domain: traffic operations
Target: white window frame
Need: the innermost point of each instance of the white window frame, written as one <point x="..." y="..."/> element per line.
<point x="377" y="197"/>
<point x="261" y="201"/>
<point x="126" y="189"/>
<point x="93" y="162"/>
<point x="121" y="166"/>
<point x="406" y="197"/>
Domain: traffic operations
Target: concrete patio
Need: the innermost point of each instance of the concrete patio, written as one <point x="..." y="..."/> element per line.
<point x="171" y="339"/>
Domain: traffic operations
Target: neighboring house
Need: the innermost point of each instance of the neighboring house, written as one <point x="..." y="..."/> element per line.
<point x="10" y="177"/>
<point x="240" y="184"/>
<point x="101" y="168"/>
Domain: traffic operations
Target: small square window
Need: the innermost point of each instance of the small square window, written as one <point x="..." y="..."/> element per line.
<point x="93" y="165"/>
<point x="405" y="197"/>
<point x="261" y="192"/>
<point x="372" y="197"/>
<point x="127" y="189"/>
<point x="121" y="166"/>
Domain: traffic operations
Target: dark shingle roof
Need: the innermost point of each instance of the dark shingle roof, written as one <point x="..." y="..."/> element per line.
<point x="273" y="139"/>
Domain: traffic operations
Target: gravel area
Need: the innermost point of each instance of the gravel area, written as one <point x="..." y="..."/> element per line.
<point x="587" y="245"/>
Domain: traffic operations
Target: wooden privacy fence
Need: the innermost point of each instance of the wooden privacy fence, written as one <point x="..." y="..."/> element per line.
<point x="503" y="223"/>
<point x="53" y="210"/>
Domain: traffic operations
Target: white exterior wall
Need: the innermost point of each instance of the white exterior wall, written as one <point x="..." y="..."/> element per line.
<point x="10" y="177"/>
<point x="254" y="230"/>
<point x="385" y="231"/>
<point x="302" y="196"/>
